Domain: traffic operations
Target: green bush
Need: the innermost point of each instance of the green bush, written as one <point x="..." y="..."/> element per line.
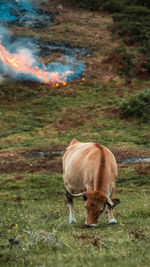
<point x="147" y="64"/>
<point x="138" y="2"/>
<point x="137" y="106"/>
<point x="113" y="6"/>
<point x="125" y="60"/>
<point x="108" y="5"/>
<point x="90" y="4"/>
<point x="134" y="22"/>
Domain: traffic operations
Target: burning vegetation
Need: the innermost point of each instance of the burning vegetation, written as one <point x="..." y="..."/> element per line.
<point x="20" y="60"/>
<point x="23" y="13"/>
<point x="25" y="65"/>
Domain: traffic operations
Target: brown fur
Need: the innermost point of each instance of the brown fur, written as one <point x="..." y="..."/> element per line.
<point x="96" y="203"/>
<point x="90" y="167"/>
<point x="100" y="176"/>
<point x="96" y="195"/>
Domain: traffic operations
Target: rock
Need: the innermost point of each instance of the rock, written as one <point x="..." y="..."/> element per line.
<point x="60" y="7"/>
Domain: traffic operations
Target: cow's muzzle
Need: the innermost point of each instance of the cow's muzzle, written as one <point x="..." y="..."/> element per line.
<point x="91" y="225"/>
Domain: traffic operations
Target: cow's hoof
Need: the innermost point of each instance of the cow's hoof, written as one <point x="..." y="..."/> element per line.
<point x="72" y="221"/>
<point x="113" y="221"/>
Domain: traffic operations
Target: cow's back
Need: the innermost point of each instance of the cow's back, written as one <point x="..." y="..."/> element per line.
<point x="82" y="165"/>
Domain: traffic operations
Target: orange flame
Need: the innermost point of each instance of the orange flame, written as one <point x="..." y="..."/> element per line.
<point x="21" y="64"/>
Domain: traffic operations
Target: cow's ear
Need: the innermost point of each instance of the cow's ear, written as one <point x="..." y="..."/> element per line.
<point x="113" y="202"/>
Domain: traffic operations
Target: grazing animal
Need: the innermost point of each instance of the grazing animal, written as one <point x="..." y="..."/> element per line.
<point x="90" y="170"/>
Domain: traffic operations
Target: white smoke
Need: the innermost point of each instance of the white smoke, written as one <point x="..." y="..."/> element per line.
<point x="39" y="2"/>
<point x="28" y="60"/>
<point x="5" y="34"/>
<point x="2" y="79"/>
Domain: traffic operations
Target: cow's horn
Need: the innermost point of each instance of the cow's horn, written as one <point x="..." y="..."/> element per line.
<point x="113" y="203"/>
<point x="79" y="195"/>
<point x="110" y="203"/>
<point x="75" y="195"/>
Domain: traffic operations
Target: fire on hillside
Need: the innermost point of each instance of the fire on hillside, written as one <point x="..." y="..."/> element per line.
<point x="23" y="64"/>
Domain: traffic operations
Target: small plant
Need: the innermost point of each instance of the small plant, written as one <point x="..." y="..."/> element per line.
<point x="137" y="106"/>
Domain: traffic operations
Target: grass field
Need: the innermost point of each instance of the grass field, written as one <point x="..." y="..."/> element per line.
<point x="36" y="124"/>
<point x="35" y="230"/>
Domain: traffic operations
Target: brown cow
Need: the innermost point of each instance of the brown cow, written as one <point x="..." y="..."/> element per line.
<point x="90" y="170"/>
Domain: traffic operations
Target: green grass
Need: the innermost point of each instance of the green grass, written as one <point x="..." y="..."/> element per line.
<point x="32" y="116"/>
<point x="35" y="230"/>
<point x="34" y="225"/>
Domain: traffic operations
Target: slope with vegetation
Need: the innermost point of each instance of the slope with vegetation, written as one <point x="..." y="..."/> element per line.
<point x="38" y="121"/>
<point x="132" y="25"/>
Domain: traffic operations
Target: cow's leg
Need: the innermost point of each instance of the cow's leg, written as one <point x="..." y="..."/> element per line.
<point x="71" y="209"/>
<point x="111" y="218"/>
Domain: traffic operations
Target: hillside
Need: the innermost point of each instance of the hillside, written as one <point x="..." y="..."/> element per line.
<point x="37" y="123"/>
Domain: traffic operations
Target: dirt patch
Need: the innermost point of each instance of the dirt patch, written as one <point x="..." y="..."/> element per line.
<point x="72" y="118"/>
<point x="31" y="166"/>
<point x="33" y="160"/>
<point x="89" y="239"/>
<point x="50" y="159"/>
<point x="139" y="234"/>
<point x="18" y="199"/>
<point x="124" y="153"/>
<point x="112" y="110"/>
<point x="79" y="28"/>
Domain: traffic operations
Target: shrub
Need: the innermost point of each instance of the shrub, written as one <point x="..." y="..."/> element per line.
<point x="138" y="2"/>
<point x="108" y="5"/>
<point x="134" y="22"/>
<point x="147" y="64"/>
<point x="126" y="61"/>
<point x="137" y="106"/>
<point x="113" y="6"/>
<point x="90" y="4"/>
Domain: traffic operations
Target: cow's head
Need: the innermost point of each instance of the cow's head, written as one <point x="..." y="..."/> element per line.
<point x="96" y="205"/>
